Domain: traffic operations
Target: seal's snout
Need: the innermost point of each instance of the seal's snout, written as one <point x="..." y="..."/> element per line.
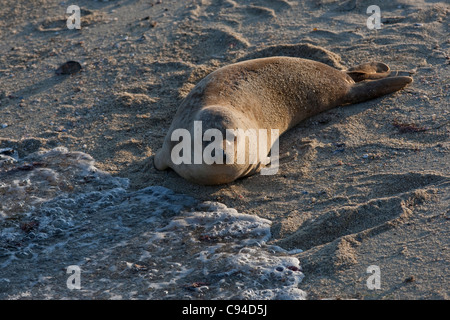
<point x="213" y="174"/>
<point x="159" y="161"/>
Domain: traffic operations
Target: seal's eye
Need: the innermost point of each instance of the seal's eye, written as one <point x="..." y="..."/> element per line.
<point x="215" y="153"/>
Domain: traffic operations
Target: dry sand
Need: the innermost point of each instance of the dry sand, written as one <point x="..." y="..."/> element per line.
<point x="358" y="186"/>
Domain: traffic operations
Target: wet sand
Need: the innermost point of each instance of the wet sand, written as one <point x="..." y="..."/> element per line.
<point x="360" y="185"/>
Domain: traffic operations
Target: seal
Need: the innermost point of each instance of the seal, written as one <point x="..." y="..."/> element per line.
<point x="274" y="93"/>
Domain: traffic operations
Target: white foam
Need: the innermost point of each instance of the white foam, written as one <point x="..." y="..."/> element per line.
<point x="144" y="244"/>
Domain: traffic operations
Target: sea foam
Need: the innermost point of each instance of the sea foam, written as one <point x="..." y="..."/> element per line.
<point x="59" y="210"/>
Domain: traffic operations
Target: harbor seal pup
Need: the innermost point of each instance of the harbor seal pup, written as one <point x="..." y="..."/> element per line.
<point x="274" y="93"/>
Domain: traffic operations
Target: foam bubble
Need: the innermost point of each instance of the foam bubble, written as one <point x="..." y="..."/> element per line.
<point x="145" y="244"/>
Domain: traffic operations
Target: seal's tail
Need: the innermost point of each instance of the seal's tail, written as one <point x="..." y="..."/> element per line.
<point x="371" y="89"/>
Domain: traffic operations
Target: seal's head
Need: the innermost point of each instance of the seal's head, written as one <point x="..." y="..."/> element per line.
<point x="221" y="147"/>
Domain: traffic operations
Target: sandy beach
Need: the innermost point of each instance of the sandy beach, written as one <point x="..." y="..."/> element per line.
<point x="358" y="186"/>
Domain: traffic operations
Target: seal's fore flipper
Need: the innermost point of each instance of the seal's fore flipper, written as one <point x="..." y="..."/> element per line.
<point x="371" y="89"/>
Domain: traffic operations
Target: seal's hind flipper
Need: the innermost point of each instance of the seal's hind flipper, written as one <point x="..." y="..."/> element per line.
<point x="370" y="70"/>
<point x="366" y="90"/>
